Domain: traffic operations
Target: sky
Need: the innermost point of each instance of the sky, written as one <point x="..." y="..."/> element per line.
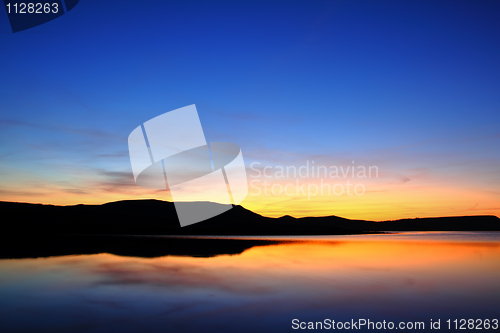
<point x="409" y="87"/>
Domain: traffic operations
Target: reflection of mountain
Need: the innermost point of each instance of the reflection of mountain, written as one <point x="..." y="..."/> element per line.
<point x="153" y="217"/>
<point x="32" y="246"/>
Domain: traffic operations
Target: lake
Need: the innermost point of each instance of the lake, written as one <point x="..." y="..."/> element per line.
<point x="263" y="284"/>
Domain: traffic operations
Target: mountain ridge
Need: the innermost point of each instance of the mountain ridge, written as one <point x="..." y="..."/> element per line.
<point x="156" y="217"/>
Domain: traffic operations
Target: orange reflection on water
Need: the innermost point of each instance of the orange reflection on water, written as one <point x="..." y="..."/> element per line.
<point x="345" y="278"/>
<point x="293" y="264"/>
<point x="339" y="258"/>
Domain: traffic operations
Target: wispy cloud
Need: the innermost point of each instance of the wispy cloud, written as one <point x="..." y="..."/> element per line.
<point x="89" y="132"/>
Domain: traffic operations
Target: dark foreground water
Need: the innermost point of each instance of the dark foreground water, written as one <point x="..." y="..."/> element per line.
<point x="410" y="278"/>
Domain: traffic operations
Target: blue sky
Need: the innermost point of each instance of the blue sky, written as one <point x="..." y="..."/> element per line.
<point x="286" y="80"/>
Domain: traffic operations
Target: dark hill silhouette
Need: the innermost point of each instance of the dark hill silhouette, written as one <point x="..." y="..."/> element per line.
<point x="34" y="230"/>
<point x="154" y="217"/>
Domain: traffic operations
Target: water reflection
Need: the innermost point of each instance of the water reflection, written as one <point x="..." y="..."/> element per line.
<point x="261" y="289"/>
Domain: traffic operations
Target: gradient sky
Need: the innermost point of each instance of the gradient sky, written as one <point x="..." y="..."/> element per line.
<point x="412" y="87"/>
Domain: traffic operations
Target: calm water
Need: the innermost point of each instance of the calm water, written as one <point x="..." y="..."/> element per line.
<point x="411" y="277"/>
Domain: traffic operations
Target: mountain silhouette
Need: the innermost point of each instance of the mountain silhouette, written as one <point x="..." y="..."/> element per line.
<point x="155" y="217"/>
<point x="150" y="228"/>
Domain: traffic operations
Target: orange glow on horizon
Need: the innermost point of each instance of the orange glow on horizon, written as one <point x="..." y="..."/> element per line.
<point x="378" y="203"/>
